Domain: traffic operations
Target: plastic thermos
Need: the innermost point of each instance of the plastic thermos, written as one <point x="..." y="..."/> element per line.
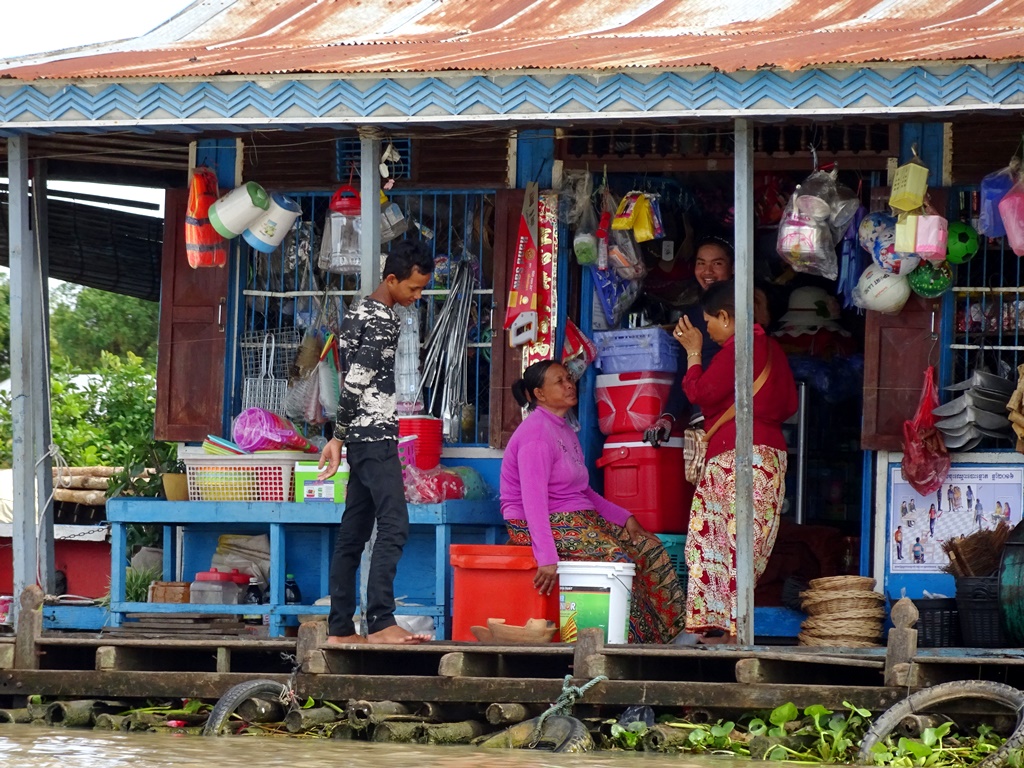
<point x="292" y="595"/>
<point x="253" y="596"/>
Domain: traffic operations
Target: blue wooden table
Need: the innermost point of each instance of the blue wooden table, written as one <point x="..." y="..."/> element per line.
<point x="482" y="518"/>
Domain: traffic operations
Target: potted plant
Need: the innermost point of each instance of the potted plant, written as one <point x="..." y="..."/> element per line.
<point x="152" y="470"/>
<point x="174" y="480"/>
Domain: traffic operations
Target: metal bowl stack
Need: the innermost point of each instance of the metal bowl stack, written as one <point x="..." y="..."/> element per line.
<point x="842" y="612"/>
<point x="978" y="412"/>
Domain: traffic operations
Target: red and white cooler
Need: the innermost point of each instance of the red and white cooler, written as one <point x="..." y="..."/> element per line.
<point x="648" y="481"/>
<point x="631" y="402"/>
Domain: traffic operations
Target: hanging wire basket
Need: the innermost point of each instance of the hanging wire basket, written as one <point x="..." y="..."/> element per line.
<point x="286" y="343"/>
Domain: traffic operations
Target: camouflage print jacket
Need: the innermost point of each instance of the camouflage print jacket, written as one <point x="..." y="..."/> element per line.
<point x="366" y="408"/>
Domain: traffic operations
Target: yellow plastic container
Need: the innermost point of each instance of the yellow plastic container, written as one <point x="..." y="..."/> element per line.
<point x="909" y="186"/>
<point x="906" y="232"/>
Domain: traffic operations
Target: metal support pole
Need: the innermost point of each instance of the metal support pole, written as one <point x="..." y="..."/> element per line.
<point x="369" y="192"/>
<point x="24" y="284"/>
<point x="41" y="405"/>
<point x="744" y="275"/>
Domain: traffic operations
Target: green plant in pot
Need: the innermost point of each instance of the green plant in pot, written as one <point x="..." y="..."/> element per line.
<point x="144" y="470"/>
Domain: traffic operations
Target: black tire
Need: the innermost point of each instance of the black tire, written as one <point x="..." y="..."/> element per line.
<point x="928" y="698"/>
<point x="229" y="702"/>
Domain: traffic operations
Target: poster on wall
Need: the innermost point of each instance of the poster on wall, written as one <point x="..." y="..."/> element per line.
<point x="973" y="498"/>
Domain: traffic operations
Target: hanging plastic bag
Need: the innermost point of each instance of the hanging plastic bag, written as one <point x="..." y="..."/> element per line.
<point x="659" y="222"/>
<point x="925" y="459"/>
<point x="578" y="351"/>
<point x="622" y="255"/>
<point x="1011" y="213"/>
<point x="993" y="188"/>
<point x="615" y="294"/>
<point x="805" y="240"/>
<point x="584" y="244"/>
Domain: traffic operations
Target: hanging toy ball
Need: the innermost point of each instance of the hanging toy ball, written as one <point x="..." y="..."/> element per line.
<point x="881" y="291"/>
<point x="963" y="242"/>
<point x="877" y="236"/>
<point x="931" y="279"/>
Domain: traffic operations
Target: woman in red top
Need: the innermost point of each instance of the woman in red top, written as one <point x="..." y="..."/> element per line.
<point x="711" y="538"/>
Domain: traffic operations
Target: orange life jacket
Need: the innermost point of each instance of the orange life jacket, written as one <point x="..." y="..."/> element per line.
<point x="203" y="244"/>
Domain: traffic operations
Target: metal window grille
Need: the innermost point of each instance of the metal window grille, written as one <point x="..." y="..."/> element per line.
<point x="285" y="289"/>
<point x="987" y="309"/>
<point x="347" y="158"/>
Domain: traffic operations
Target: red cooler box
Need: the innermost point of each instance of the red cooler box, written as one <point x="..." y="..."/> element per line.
<point x="648" y="481"/>
<point x="631" y="402"/>
<point x="495" y="581"/>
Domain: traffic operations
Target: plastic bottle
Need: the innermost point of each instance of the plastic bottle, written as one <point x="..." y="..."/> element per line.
<point x="253" y="596"/>
<point x="292" y="595"/>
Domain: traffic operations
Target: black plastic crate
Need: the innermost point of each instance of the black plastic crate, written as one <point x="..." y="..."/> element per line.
<point x="981" y="623"/>
<point x="977" y="587"/>
<point x="938" y="623"/>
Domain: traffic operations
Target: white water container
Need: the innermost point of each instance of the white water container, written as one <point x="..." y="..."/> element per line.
<point x="270" y="229"/>
<point x="243" y="206"/>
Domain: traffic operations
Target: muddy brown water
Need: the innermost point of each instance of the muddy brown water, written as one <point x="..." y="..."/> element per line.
<point x="24" y="746"/>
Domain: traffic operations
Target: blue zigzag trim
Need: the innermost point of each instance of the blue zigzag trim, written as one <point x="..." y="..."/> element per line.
<point x="525" y="95"/>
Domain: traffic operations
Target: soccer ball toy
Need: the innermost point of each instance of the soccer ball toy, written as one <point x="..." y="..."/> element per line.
<point x="962" y="243"/>
<point x="931" y="279"/>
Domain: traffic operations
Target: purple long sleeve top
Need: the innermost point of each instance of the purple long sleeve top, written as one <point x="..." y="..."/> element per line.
<point x="542" y="473"/>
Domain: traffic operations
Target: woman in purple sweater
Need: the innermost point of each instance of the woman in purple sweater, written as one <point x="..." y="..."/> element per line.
<point x="547" y="502"/>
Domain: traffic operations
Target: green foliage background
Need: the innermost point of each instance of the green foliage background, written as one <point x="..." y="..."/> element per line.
<point x="108" y="420"/>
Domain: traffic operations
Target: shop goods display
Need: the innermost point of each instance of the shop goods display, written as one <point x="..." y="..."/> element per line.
<point x="341" y="243"/>
<point x="843" y="611"/>
<point x="257" y="429"/>
<point x="204" y="245"/>
<point x="979" y="412"/>
<point x="881" y="291"/>
<point x="239" y="209"/>
<point x="932" y="236"/>
<point x="991" y="191"/>
<point x="578" y="351"/>
<point x="1015" y="407"/>
<point x="877" y="236"/>
<point x="931" y="279"/>
<point x="636" y="349"/>
<point x="962" y="242"/>
<point x="270" y="229"/>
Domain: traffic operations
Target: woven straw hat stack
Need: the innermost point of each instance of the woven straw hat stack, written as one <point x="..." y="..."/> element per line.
<point x="842" y="612"/>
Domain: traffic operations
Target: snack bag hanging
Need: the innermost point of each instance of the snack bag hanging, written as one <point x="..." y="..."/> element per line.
<point x="625" y="214"/>
<point x="925" y="460"/>
<point x="909" y="184"/>
<point x="203" y="244"/>
<point x="521" y="313"/>
<point x="1011" y="213"/>
<point x="643" y="220"/>
<point x="992" y="190"/>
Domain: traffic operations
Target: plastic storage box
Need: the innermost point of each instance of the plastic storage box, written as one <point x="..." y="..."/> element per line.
<point x="631" y="402"/>
<point x="495" y="581"/>
<point x="264" y="476"/>
<point x="648" y="481"/>
<point x="641" y="349"/>
<point x="216" y="587"/>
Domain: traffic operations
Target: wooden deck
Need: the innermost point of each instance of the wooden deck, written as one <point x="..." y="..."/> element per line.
<point x="716" y="678"/>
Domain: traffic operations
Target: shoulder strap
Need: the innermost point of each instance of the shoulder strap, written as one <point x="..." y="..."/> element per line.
<point x="731" y="413"/>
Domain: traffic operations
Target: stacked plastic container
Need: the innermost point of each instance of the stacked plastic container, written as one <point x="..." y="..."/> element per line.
<point x="638" y="368"/>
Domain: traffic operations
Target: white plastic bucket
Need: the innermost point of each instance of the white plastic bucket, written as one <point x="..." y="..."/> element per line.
<point x="595" y="594"/>
<point x="243" y="206"/>
<point x="271" y="228"/>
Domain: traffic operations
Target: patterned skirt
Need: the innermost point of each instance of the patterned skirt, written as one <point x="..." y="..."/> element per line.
<point x="711" y="538"/>
<point x="656" y="614"/>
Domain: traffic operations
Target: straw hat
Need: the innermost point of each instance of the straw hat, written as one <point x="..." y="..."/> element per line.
<point x="811" y="309"/>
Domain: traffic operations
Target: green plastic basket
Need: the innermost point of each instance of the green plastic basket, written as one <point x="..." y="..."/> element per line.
<point x="675" y="546"/>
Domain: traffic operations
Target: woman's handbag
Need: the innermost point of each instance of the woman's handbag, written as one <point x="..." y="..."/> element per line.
<point x="695" y="441"/>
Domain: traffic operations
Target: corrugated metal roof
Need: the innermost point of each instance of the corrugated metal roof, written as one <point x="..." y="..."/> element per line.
<point x="259" y="37"/>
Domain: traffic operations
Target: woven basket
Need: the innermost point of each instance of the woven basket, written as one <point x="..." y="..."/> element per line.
<point x="856" y="614"/>
<point x="835" y="642"/>
<point x="826" y="626"/>
<point x="843" y="582"/>
<point x="817" y="602"/>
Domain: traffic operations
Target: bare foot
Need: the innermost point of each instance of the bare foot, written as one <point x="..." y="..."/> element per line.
<point x="345" y="640"/>
<point x="395" y="635"/>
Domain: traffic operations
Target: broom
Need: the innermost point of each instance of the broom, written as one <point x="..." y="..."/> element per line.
<point x="976" y="554"/>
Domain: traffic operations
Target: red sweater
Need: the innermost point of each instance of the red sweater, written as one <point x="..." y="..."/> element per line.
<point x="714" y="390"/>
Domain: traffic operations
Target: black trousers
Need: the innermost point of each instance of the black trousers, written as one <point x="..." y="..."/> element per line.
<point x="375" y="493"/>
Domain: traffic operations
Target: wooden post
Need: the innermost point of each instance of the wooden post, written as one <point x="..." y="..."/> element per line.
<point x="299" y="720"/>
<point x="901" y="646"/>
<point x="743" y="180"/>
<point x="369" y="193"/>
<point x="505" y="714"/>
<point x="30" y="628"/>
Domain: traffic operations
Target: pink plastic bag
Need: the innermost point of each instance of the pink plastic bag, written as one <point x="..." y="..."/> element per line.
<point x="925" y="460"/>
<point x="1011" y="211"/>
<point x="258" y="430"/>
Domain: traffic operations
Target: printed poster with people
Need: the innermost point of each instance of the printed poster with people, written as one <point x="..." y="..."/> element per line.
<point x="971" y="499"/>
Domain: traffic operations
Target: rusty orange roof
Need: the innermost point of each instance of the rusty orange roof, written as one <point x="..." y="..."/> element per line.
<point x="261" y="37"/>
